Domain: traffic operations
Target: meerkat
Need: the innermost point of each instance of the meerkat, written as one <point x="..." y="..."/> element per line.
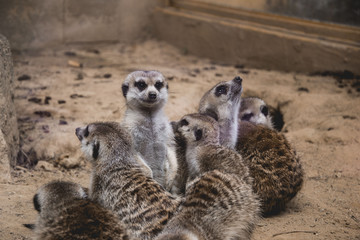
<point x="273" y="163"/>
<point x="146" y="93"/>
<point x="255" y="110"/>
<point x="219" y="202"/>
<point x="224" y="100"/>
<point x="118" y="181"/>
<point x="66" y="213"/>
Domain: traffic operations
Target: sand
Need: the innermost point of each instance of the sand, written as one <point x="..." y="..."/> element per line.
<point x="321" y="117"/>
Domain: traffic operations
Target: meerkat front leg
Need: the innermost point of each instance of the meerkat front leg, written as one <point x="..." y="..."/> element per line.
<point x="170" y="168"/>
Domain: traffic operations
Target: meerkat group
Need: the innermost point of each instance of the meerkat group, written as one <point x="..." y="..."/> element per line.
<point x="210" y="175"/>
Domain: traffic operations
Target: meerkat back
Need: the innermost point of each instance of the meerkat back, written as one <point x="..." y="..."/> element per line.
<point x="219" y="202"/>
<point x="146" y="93"/>
<point x="274" y="164"/>
<point x="120" y="180"/>
<point x="66" y="213"/>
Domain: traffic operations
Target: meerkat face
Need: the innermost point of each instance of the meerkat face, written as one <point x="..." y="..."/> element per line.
<point x="101" y="140"/>
<point x="254" y="110"/>
<point x="221" y="97"/>
<point x="57" y="192"/>
<point x="145" y="89"/>
<point x="199" y="129"/>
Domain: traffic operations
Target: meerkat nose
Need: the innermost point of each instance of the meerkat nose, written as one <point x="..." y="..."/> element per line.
<point x="77" y="132"/>
<point x="152" y="96"/>
<point x="237" y="79"/>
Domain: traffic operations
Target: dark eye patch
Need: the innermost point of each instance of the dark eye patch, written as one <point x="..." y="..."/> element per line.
<point x="264" y="110"/>
<point x="159" y="85"/>
<point x="247" y="117"/>
<point x="96" y="150"/>
<point x="220" y="90"/>
<point x="141" y="85"/>
<point x="198" y="134"/>
<point x="184" y="122"/>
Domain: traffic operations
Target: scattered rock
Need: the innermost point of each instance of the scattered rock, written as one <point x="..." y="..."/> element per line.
<point x="303" y="89"/>
<point x="43" y="165"/>
<point x="79" y="76"/>
<point x="349" y="117"/>
<point x="62" y="122"/>
<point x="170" y="78"/>
<point x="95" y="51"/>
<point x="61" y="101"/>
<point x="45" y="128"/>
<point x="69" y="162"/>
<point x="47" y="99"/>
<point x="244" y="71"/>
<point x="43" y="113"/>
<point x="239" y="66"/>
<point x="76" y="64"/>
<point x="107" y="75"/>
<point x="75" y="95"/>
<point x="35" y="100"/>
<point x="70" y="54"/>
<point x="218" y="75"/>
<point x="24" y="77"/>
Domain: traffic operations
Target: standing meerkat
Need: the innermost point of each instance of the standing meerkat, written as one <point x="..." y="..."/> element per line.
<point x="224" y="100"/>
<point x="118" y="181"/>
<point x="65" y="213"/>
<point x="219" y="202"/>
<point x="146" y="93"/>
<point x="274" y="165"/>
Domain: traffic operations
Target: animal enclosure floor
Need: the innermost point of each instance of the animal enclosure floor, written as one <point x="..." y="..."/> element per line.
<point x="321" y="121"/>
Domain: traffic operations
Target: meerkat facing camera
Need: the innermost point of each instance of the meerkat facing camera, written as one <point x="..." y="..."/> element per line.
<point x="255" y="110"/>
<point x="146" y="93"/>
<point x="219" y="202"/>
<point x="66" y="213"/>
<point x="119" y="182"/>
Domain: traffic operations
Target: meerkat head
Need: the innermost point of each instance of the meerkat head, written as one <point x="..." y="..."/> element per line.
<point x="145" y="89"/>
<point x="56" y="192"/>
<point x="255" y="110"/>
<point x="198" y="129"/>
<point x="221" y="99"/>
<point x="104" y="140"/>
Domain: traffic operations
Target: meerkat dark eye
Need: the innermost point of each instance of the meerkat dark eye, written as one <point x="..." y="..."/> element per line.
<point x="264" y="110"/>
<point x="159" y="85"/>
<point x="141" y="85"/>
<point x="246" y="117"/>
<point x="222" y="89"/>
<point x="184" y="122"/>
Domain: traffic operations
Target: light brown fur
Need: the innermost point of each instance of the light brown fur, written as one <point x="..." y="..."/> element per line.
<point x="119" y="182"/>
<point x="65" y="213"/>
<point x="219" y="202"/>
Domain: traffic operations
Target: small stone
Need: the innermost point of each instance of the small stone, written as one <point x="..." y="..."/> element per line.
<point x="43" y="165"/>
<point x="43" y="113"/>
<point x="62" y="122"/>
<point x="24" y="77"/>
<point x="218" y="74"/>
<point x="47" y="99"/>
<point x="107" y="75"/>
<point x="35" y="100"/>
<point x="61" y="101"/>
<point x="70" y="54"/>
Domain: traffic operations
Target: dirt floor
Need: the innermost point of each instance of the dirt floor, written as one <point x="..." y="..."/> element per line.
<point x="53" y="96"/>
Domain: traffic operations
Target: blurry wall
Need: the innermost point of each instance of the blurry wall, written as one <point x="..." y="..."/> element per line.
<point x="47" y="23"/>
<point x="333" y="11"/>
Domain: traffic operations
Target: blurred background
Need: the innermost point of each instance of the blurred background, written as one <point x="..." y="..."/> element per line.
<point x="290" y="35"/>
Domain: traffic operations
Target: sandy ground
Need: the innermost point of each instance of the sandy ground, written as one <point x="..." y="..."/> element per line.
<point x="321" y="121"/>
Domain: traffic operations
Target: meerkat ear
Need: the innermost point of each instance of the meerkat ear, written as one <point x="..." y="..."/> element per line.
<point x="36" y="202"/>
<point x="125" y="89"/>
<point x="96" y="147"/>
<point x="198" y="134"/>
